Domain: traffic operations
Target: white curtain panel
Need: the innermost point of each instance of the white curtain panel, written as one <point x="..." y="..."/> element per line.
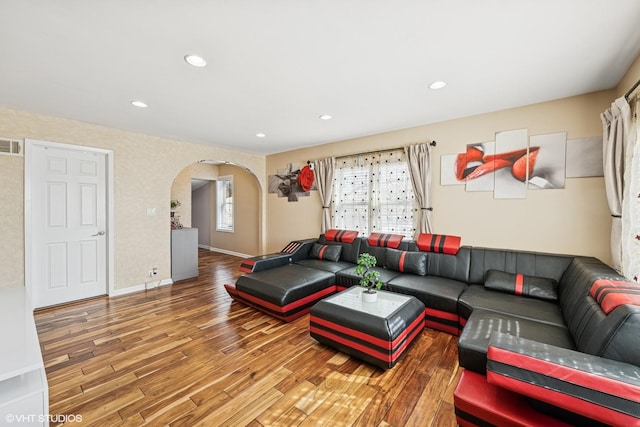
<point x="324" y="182"/>
<point x="615" y="133"/>
<point x="419" y="160"/>
<point x="631" y="199"/>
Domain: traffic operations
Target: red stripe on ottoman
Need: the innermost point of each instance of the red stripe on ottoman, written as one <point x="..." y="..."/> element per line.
<point x="345" y="236"/>
<point x="405" y="338"/>
<point x="439" y="243"/>
<point x="378" y="342"/>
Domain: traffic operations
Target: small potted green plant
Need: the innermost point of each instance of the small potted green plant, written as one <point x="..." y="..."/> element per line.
<point x="174" y="205"/>
<point x="369" y="278"/>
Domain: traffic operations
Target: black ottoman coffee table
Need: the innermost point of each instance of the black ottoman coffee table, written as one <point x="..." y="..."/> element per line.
<point x="378" y="333"/>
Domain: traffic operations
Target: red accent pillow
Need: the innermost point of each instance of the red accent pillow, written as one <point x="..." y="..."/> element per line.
<point x="612" y="293"/>
<point x="385" y="240"/>
<point x="439" y="243"/>
<point x="344" y="236"/>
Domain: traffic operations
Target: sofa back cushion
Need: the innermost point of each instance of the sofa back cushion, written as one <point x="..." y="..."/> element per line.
<point x="385" y="240"/>
<point x="380" y="252"/>
<point x="536" y="264"/>
<point x="343" y="236"/>
<point x="349" y="252"/>
<point x="455" y="267"/>
<point x="439" y="243"/>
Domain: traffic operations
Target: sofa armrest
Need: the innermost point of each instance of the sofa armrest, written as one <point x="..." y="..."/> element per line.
<point x="292" y="252"/>
<point x="601" y="389"/>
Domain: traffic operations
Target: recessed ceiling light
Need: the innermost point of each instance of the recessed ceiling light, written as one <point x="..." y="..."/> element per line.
<point x="325" y="117"/>
<point x="195" y="60"/>
<point x="260" y="135"/>
<point x="437" y="85"/>
<point x="139" y="104"/>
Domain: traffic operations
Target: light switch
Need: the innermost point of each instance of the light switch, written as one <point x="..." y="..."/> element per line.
<point x="151" y="211"/>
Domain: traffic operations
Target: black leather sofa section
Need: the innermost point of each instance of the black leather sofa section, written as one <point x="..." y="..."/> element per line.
<point x="458" y="300"/>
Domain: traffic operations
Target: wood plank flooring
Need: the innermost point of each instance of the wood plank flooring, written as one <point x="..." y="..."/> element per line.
<point x="186" y="355"/>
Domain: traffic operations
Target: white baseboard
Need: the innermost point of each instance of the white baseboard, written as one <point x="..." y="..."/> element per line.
<point x="138" y="288"/>
<point x="224" y="251"/>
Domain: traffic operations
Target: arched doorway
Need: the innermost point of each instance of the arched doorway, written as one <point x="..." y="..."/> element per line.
<point x="197" y="187"/>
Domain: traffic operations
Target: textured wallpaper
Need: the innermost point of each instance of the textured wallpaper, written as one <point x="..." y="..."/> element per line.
<point x="144" y="170"/>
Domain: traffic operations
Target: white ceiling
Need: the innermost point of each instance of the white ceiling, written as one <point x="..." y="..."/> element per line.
<point x="274" y="66"/>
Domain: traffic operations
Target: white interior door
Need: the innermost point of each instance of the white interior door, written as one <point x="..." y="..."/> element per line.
<point x="68" y="224"/>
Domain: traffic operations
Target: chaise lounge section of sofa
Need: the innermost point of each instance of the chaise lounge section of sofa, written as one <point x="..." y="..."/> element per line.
<point x="544" y="339"/>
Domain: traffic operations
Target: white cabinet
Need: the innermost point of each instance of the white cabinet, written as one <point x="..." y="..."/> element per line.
<point x="24" y="394"/>
<point x="184" y="253"/>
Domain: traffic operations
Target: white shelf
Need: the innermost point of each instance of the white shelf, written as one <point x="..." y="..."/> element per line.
<point x="23" y="381"/>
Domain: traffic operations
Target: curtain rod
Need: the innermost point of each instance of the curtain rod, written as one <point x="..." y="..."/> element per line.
<point x="630" y="91"/>
<point x="431" y="143"/>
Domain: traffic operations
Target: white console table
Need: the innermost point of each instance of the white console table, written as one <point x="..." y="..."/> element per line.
<point x="24" y="393"/>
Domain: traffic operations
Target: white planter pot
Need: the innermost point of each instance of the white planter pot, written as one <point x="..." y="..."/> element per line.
<point x="369" y="297"/>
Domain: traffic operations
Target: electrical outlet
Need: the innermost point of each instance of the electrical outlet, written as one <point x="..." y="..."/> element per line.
<point x="153" y="272"/>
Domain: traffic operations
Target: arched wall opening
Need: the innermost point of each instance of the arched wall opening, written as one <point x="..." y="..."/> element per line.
<point x="195" y="188"/>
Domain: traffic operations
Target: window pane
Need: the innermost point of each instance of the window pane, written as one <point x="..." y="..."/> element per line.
<point x="373" y="193"/>
<point x="224" y="201"/>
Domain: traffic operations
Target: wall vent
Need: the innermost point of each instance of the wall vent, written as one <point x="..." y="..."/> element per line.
<point x="10" y="147"/>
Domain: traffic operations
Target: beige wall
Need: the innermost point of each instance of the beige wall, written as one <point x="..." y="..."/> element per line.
<point x="246" y="208"/>
<point x="12" y="229"/>
<point x="573" y="220"/>
<point x="144" y="169"/>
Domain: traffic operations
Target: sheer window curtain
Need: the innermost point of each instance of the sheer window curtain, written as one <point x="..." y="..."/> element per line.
<point x="419" y="160"/>
<point x="373" y="194"/>
<point x="324" y="182"/>
<point x="631" y="198"/>
<point x="615" y="139"/>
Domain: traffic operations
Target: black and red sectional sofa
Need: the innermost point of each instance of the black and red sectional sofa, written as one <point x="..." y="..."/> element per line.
<point x="544" y="339"/>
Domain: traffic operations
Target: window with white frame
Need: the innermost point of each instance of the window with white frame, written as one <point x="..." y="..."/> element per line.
<point x="224" y="202"/>
<point x="373" y="194"/>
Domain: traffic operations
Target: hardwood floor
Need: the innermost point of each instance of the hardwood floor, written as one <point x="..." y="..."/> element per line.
<point x="186" y="355"/>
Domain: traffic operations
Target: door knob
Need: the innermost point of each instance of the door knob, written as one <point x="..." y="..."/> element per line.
<point x="99" y="233"/>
